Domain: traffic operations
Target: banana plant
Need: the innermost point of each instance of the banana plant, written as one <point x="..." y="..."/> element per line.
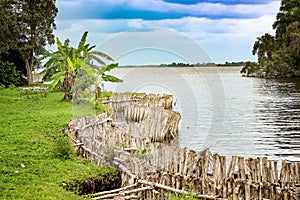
<point x="102" y="76"/>
<point x="64" y="65"/>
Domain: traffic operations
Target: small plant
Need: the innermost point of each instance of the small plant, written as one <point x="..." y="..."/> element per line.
<point x="104" y="94"/>
<point x="109" y="154"/>
<point x="63" y="149"/>
<point x="144" y="154"/>
<point x="100" y="108"/>
<point x="182" y="196"/>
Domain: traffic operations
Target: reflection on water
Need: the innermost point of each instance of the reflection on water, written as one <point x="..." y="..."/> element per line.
<point x="232" y="115"/>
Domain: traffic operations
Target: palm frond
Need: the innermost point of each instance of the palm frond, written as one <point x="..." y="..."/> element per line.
<point x="82" y="41"/>
<point x="96" y="58"/>
<point x="104" y="55"/>
<point x="59" y="45"/>
<point x="109" y="67"/>
<point x="90" y="48"/>
<point x="111" y="78"/>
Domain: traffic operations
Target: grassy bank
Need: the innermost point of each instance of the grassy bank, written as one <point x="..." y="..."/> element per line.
<point x="30" y="132"/>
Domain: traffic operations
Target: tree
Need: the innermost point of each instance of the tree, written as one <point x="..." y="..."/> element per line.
<point x="279" y="55"/>
<point x="28" y="26"/>
<point x="289" y="12"/>
<point x="250" y="68"/>
<point x="264" y="47"/>
<point x="65" y="64"/>
<point x="8" y="25"/>
<point x="286" y="62"/>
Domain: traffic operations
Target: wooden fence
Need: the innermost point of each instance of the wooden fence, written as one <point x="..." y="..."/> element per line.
<point x="211" y="179"/>
<point x="154" y="169"/>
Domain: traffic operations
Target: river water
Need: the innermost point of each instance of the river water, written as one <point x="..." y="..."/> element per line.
<point x="230" y="114"/>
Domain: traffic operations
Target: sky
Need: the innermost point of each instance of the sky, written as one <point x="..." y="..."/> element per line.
<point x="142" y="32"/>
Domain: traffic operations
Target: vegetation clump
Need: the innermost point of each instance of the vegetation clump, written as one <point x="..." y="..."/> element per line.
<point x="9" y="75"/>
<point x="279" y="55"/>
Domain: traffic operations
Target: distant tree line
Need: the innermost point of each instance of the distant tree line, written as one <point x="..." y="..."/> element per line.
<point x="279" y="55"/>
<point x="232" y="64"/>
<point x="26" y="28"/>
<point x="209" y="64"/>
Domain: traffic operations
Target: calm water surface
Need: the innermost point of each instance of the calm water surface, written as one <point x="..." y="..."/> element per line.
<point x="230" y="114"/>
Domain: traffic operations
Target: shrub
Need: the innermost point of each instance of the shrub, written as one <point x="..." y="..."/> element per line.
<point x="63" y="148"/>
<point x="9" y="75"/>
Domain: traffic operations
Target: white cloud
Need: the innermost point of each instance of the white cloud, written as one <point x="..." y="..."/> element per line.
<point x="194" y="26"/>
<point x="202" y="8"/>
<point x="223" y="39"/>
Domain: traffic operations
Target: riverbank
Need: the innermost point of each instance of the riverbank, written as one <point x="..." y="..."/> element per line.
<point x="35" y="158"/>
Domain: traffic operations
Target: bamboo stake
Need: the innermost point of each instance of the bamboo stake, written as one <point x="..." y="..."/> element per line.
<point x="258" y="172"/>
<point x="241" y="164"/>
<point x="231" y="168"/>
<point x="293" y="174"/>
<point x="206" y="163"/>
<point x="249" y="168"/>
<point x="264" y="169"/>
<point x="247" y="190"/>
<point x="270" y="172"/>
<point x="215" y="168"/>
<point x="298" y="172"/>
<point x="276" y="172"/>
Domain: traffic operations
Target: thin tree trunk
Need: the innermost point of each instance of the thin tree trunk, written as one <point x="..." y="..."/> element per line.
<point x="96" y="91"/>
<point x="68" y="85"/>
<point x="29" y="73"/>
<point x="29" y="66"/>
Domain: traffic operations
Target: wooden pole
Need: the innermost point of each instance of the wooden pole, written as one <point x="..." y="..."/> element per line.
<point x="247" y="193"/>
<point x="241" y="164"/>
<point x="231" y="168"/>
<point x="215" y="168"/>
<point x="264" y="169"/>
<point x="276" y="171"/>
<point x="258" y="172"/>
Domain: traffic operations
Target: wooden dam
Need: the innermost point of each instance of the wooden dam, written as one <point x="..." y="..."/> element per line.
<point x="140" y="139"/>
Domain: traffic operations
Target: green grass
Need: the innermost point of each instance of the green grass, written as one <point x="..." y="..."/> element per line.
<point x="30" y="132"/>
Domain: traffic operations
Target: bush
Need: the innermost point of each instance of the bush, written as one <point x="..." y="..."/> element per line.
<point x="9" y="75"/>
<point x="63" y="148"/>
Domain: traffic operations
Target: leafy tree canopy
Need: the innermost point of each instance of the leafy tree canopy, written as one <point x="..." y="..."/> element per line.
<point x="26" y="27"/>
<point x="279" y="55"/>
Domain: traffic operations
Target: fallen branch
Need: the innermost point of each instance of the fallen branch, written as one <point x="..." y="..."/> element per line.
<point x="129" y="100"/>
<point x="123" y="193"/>
<point x="34" y="88"/>
<point x="153" y="184"/>
<point x="78" y="144"/>
<point x="109" y="119"/>
<point x="112" y="191"/>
